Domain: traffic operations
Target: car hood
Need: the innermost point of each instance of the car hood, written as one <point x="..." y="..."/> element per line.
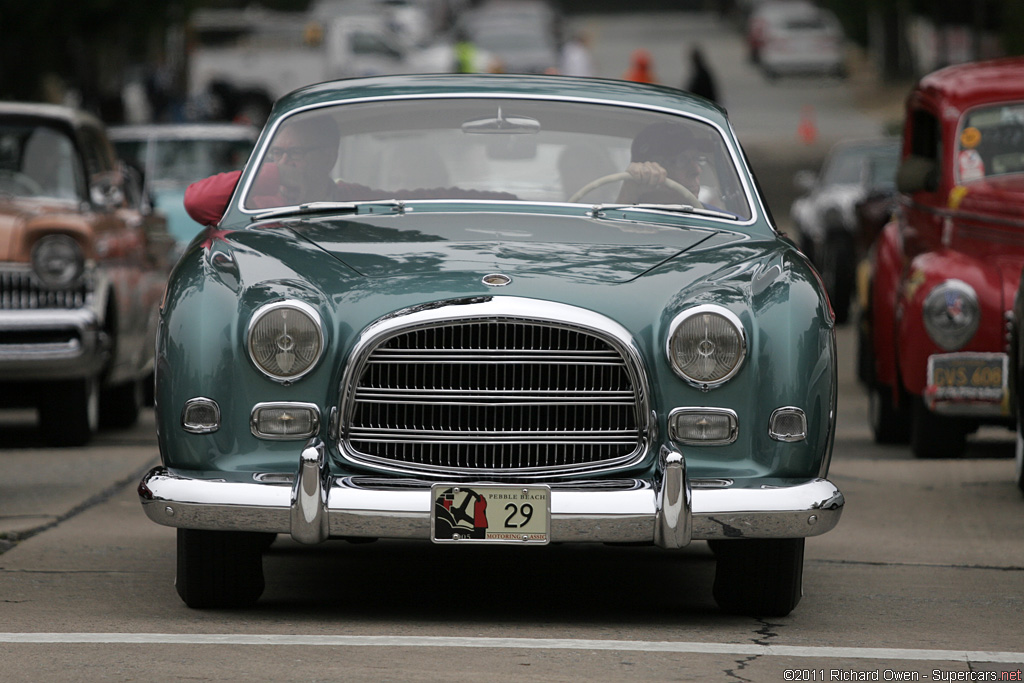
<point x="592" y="249"/>
<point x="1000" y="197"/>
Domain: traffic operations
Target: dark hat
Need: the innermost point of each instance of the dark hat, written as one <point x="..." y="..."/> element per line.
<point x="664" y="140"/>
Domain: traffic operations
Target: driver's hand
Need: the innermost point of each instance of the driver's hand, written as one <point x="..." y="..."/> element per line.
<point x="649" y="173"/>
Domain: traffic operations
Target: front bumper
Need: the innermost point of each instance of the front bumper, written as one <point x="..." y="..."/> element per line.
<point x="51" y="344"/>
<point x="669" y="512"/>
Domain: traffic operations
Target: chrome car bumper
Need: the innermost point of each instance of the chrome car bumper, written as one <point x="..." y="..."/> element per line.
<point x="669" y="512"/>
<point x="51" y="344"/>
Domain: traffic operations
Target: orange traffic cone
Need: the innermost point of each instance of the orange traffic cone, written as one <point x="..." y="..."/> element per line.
<point x="807" y="131"/>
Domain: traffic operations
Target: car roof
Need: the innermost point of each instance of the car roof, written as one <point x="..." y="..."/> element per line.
<point x="183" y="131"/>
<point x="56" y="112"/>
<point x="499" y="85"/>
<point x="963" y="85"/>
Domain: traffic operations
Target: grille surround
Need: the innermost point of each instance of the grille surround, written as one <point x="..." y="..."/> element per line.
<point x="508" y="431"/>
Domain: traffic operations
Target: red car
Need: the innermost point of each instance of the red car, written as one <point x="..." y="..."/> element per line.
<point x="945" y="269"/>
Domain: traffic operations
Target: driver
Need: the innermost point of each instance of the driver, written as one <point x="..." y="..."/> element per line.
<point x="662" y="150"/>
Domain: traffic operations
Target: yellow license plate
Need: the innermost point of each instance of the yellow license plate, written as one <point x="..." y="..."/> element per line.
<point x="472" y="513"/>
<point x="968" y="376"/>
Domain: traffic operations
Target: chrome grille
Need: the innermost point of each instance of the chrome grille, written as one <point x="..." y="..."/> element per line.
<point x="500" y="397"/>
<point x="19" y="290"/>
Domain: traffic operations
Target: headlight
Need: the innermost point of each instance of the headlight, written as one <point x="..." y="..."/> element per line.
<point x="57" y="260"/>
<point x="285" y="339"/>
<point x="951" y="314"/>
<point x="706" y="345"/>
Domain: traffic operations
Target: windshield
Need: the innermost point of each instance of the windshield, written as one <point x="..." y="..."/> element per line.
<point x="991" y="143"/>
<point x="176" y="162"/>
<point x="492" y="149"/>
<point x="38" y="161"/>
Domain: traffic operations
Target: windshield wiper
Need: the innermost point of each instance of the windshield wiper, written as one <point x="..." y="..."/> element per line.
<point x="675" y="208"/>
<point x="397" y="206"/>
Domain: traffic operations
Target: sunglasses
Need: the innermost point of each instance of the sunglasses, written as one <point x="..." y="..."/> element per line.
<point x="294" y="153"/>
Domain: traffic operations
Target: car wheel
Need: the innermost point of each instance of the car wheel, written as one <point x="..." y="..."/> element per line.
<point x="219" y="568"/>
<point x="935" y="436"/>
<point x="1018" y="456"/>
<point x="759" y="577"/>
<point x="837" y="271"/>
<point x="120" y="404"/>
<point x="889" y="424"/>
<point x="70" y="416"/>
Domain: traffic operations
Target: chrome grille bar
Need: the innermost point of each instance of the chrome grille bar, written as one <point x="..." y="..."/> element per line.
<point x="20" y="291"/>
<point x="495" y="396"/>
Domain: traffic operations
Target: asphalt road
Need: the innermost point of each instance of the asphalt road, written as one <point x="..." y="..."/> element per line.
<point x="923" y="579"/>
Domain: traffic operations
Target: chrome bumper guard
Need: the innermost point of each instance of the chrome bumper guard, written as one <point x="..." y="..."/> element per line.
<point x="668" y="512"/>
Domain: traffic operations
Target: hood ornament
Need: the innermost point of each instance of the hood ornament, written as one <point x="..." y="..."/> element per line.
<point x="496" y="280"/>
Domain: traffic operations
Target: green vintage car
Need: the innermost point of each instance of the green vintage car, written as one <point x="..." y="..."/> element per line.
<point x="494" y="309"/>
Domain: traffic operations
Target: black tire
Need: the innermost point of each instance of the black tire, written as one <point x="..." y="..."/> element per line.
<point x="219" y="568"/>
<point x="759" y="577"/>
<point x="935" y="436"/>
<point x="120" y="405"/>
<point x="838" y="271"/>
<point x="889" y="424"/>
<point x="69" y="417"/>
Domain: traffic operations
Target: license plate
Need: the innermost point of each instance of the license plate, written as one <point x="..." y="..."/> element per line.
<point x="490" y="514"/>
<point x="967" y="376"/>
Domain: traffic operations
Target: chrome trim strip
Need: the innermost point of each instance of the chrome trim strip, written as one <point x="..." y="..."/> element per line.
<point x="498" y="309"/>
<point x="805" y="508"/>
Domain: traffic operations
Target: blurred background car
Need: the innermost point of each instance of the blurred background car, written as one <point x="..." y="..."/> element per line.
<point x="518" y="36"/>
<point x="790" y="37"/>
<point x="825" y="215"/>
<point x="83" y="264"/>
<point x="171" y="156"/>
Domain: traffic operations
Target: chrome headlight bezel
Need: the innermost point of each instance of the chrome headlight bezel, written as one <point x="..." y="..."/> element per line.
<point x="951" y="314"/>
<point x="58" y="261"/>
<point x="308" y="360"/>
<point x="681" y="325"/>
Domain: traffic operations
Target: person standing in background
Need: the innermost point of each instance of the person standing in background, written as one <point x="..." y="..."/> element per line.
<point x="576" y="59"/>
<point x="640" y="70"/>
<point x="701" y="82"/>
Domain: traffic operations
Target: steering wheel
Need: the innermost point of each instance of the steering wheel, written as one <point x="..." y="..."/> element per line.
<point x="623" y="175"/>
<point x="20" y="181"/>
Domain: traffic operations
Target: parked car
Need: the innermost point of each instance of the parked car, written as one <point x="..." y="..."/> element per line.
<point x="945" y="269"/>
<point x="496" y="357"/>
<point x="521" y="36"/>
<point x="171" y="156"/>
<point x="796" y="37"/>
<point x="825" y="215"/>
<point x="83" y="262"/>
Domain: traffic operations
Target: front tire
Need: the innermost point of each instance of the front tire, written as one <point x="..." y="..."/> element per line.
<point x="219" y="568"/>
<point x="69" y="417"/>
<point x="120" y="405"/>
<point x="759" y="577"/>
<point x="889" y="424"/>
<point x="935" y="436"/>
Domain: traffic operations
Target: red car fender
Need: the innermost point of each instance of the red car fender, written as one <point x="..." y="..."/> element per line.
<point x="885" y="285"/>
<point x="925" y="272"/>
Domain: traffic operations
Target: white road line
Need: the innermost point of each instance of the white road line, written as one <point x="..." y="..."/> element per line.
<point x="519" y="643"/>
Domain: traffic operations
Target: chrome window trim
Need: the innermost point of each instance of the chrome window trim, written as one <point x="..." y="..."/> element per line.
<point x="504" y="309"/>
<point x="286" y="303"/>
<point x="757" y="208"/>
<point x="733" y="434"/>
<point x="253" y="427"/>
<point x="696" y="310"/>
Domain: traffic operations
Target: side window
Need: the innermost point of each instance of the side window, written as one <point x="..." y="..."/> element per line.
<point x="926" y="138"/>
